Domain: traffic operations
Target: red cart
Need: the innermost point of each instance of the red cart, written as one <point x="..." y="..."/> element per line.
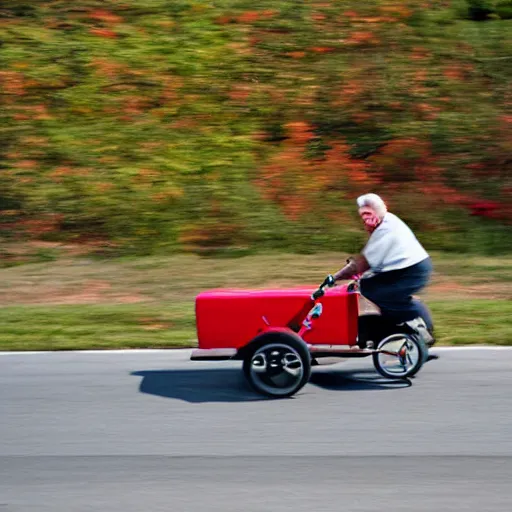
<point x="279" y="334"/>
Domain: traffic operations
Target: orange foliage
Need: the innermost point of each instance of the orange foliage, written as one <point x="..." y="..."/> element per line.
<point x="296" y="55"/>
<point x="35" y="140"/>
<point x="453" y="72"/>
<point x="323" y="49"/>
<point x="60" y="172"/>
<point x="427" y="111"/>
<point x="167" y="195"/>
<point x="299" y="132"/>
<point x="419" y="53"/>
<point x="362" y="37"/>
<point x="249" y="17"/>
<point x="376" y="19"/>
<point x="269" y="13"/>
<point x="103" y="32"/>
<point x="409" y="155"/>
<point x="295" y="182"/>
<point x="361" y="117"/>
<point x="397" y="9"/>
<point x="109" y="68"/>
<point x="12" y="82"/>
<point x="438" y="192"/>
<point x="26" y="164"/>
<point x="105" y="16"/>
<point x="239" y="93"/>
<point x="348" y="92"/>
<point x="224" y="20"/>
<point x="104" y="186"/>
<point x="49" y="223"/>
<point x="420" y="75"/>
<point x="135" y="104"/>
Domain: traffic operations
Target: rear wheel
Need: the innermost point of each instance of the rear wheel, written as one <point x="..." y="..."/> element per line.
<point x="400" y="356"/>
<point x="277" y="365"/>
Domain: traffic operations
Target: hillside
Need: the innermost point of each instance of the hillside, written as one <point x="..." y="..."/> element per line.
<point x="169" y="125"/>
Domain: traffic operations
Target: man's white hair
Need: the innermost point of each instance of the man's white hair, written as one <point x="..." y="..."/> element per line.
<point x="373" y="201"/>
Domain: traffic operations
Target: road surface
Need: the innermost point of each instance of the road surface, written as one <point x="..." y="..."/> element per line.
<point x="132" y="431"/>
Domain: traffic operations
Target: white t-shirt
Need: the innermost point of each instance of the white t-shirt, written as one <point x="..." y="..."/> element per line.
<point x="393" y="246"/>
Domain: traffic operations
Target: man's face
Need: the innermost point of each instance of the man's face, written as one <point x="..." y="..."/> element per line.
<point x="370" y="218"/>
<point x="366" y="213"/>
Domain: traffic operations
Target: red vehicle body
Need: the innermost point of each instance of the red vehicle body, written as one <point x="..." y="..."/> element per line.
<point x="280" y="333"/>
<point x="230" y="318"/>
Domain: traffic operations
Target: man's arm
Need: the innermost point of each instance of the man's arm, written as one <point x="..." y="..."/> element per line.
<point x="355" y="265"/>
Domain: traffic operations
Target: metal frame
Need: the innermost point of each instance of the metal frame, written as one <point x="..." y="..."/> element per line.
<point x="224" y="354"/>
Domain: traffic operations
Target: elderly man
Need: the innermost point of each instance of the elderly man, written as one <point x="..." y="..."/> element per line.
<point x="399" y="266"/>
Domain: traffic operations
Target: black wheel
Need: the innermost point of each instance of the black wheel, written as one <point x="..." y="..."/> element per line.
<point x="400" y="356"/>
<point x="277" y="364"/>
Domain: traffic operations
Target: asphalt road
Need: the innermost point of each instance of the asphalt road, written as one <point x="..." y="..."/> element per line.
<point x="154" y="431"/>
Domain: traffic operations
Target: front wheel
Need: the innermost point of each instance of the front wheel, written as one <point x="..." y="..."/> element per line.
<point x="278" y="365"/>
<point x="399" y="356"/>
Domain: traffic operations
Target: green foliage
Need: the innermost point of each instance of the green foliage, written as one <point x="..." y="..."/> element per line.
<point x="504" y="10"/>
<point x="479" y="10"/>
<point x="186" y="125"/>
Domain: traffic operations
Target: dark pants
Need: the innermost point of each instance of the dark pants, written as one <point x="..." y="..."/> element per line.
<point x="392" y="291"/>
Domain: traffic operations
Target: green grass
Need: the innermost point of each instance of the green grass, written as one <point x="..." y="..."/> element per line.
<point x="96" y="327"/>
<point x="81" y="303"/>
<point x="172" y="325"/>
<point x="473" y="322"/>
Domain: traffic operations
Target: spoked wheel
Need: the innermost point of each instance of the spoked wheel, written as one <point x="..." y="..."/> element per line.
<point x="399" y="356"/>
<point x="278" y="366"/>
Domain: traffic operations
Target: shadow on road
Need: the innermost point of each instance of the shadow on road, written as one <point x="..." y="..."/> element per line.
<point x="198" y="386"/>
<point x="229" y="385"/>
<point x="356" y="380"/>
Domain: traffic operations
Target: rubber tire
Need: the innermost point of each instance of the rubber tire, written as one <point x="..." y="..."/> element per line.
<point x="422" y="348"/>
<point x="290" y="339"/>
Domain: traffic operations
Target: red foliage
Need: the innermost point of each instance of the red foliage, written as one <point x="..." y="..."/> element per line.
<point x="492" y="210"/>
<point x="483" y="208"/>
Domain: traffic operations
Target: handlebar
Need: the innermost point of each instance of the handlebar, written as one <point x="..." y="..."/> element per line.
<point x="330" y="282"/>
